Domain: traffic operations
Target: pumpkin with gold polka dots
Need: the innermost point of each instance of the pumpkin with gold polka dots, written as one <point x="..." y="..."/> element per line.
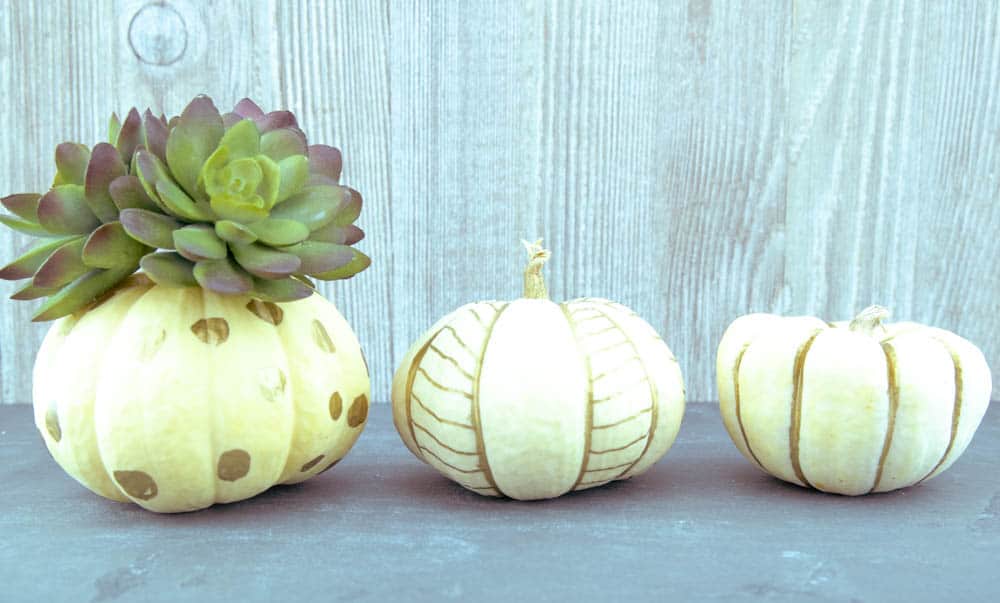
<point x="850" y="407"/>
<point x="532" y="399"/>
<point x="177" y="398"/>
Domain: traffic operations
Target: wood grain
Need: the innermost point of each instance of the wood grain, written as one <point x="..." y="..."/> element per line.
<point x="694" y="160"/>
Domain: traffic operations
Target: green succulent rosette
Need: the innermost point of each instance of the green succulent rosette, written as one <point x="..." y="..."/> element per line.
<point x="236" y="203"/>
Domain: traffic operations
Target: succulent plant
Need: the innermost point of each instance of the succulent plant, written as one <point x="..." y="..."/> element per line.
<point x="236" y="203"/>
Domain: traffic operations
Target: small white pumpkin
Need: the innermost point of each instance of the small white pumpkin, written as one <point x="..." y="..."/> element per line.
<point x="850" y="408"/>
<point x="531" y="399"/>
<point x="178" y="398"/>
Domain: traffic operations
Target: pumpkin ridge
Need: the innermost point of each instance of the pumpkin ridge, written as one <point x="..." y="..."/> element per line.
<point x="956" y="414"/>
<point x="890" y="364"/>
<point x="736" y="403"/>
<point x="798" y="371"/>
<point x="287" y="472"/>
<point x="654" y="394"/>
<point x="408" y="390"/>
<point x="439" y="418"/>
<point x="476" y="418"/>
<point x="93" y="424"/>
<point x="588" y="433"/>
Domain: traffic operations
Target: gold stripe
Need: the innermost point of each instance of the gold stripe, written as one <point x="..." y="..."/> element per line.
<point x="442" y="386"/>
<point x="478" y="487"/>
<point x="793" y="432"/>
<point x="588" y="430"/>
<point x="736" y="399"/>
<point x="440" y="443"/>
<point x="410" y="378"/>
<point x="619" y="367"/>
<point x="447" y="464"/>
<point x="890" y="367"/>
<point x="596" y="469"/>
<point x="625" y="420"/>
<point x="454" y="362"/>
<point x="622" y="391"/>
<point x="654" y="395"/>
<point x="632" y="443"/>
<point x="454" y="334"/>
<point x="436" y="416"/>
<point x="477" y="420"/>
<point x="956" y="413"/>
<point x="597" y="481"/>
<point x="478" y="317"/>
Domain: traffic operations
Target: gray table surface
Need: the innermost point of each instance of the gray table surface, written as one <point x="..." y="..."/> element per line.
<point x="701" y="525"/>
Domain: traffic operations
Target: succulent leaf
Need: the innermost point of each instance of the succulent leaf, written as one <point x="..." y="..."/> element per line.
<point x="31" y="261"/>
<point x="283" y="143"/>
<point x="24" y="205"/>
<point x="105" y="166"/>
<point x="127" y="192"/>
<point x="156" y="133"/>
<point x="29" y="228"/>
<point x="266" y="262"/>
<point x="234" y="232"/>
<point x="71" y="163"/>
<point x="79" y="293"/>
<point x="110" y="246"/>
<point x="62" y="267"/>
<point x="199" y="242"/>
<point x="314" y="206"/>
<point x="284" y="290"/>
<point x="294" y="172"/>
<point x="130" y="136"/>
<point x="159" y="187"/>
<point x="195" y="136"/>
<point x="335" y="233"/>
<point x="325" y="160"/>
<point x="279" y="232"/>
<point x="222" y="276"/>
<point x="114" y="127"/>
<point x="29" y="291"/>
<point x="359" y="262"/>
<point x="63" y="210"/>
<point x="350" y="207"/>
<point x="169" y="269"/>
<point x="247" y="109"/>
<point x="318" y="257"/>
<point x="150" y="228"/>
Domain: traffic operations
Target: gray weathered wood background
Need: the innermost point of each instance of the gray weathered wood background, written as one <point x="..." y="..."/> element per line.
<point x="695" y="160"/>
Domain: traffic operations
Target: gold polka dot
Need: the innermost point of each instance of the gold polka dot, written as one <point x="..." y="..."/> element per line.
<point x="136" y="484"/>
<point x="312" y="463"/>
<point x="233" y="464"/>
<point x="328" y="467"/>
<point x="266" y="311"/>
<point x="52" y="421"/>
<point x="358" y="411"/>
<point x="213" y="331"/>
<point x="322" y="338"/>
<point x="336" y="406"/>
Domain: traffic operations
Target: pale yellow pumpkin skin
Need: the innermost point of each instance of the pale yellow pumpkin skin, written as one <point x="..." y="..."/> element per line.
<point x="531" y="399"/>
<point x="179" y="398"/>
<point x="849" y="411"/>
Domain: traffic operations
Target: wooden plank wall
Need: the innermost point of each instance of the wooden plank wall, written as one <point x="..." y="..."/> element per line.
<point x="695" y="160"/>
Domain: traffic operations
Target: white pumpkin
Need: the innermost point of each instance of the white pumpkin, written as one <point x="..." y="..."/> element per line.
<point x="850" y="408"/>
<point x="531" y="399"/>
<point x="178" y="398"/>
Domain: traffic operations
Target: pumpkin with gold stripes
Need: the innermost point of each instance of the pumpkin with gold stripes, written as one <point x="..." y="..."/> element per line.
<point x="176" y="398"/>
<point x="850" y="407"/>
<point x="531" y="399"/>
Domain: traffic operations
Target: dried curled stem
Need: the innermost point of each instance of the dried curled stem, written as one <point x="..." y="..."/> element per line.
<point x="869" y="320"/>
<point x="534" y="282"/>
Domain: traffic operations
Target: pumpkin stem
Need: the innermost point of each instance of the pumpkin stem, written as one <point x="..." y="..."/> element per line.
<point x="534" y="282"/>
<point x="869" y="319"/>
